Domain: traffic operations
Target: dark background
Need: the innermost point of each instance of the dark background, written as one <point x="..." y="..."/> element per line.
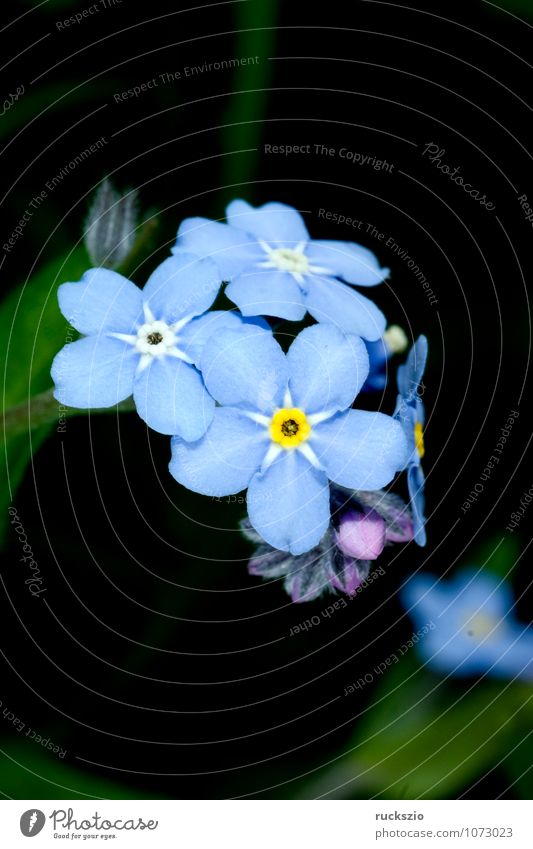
<point x="153" y="657"/>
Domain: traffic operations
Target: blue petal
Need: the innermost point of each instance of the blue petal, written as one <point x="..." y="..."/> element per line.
<point x="272" y="222"/>
<point x="359" y="449"/>
<point x="472" y="589"/>
<point x="288" y="504"/>
<point x="330" y="301"/>
<point x="267" y="292"/>
<point x="171" y="398"/>
<point x="326" y="368"/>
<point x="407" y="415"/>
<point x="378" y="355"/>
<point x="245" y="368"/>
<point x="231" y="249"/>
<point x="102" y="300"/>
<point x="415" y="485"/>
<point x="224" y="459"/>
<point x="423" y="598"/>
<point x="182" y="285"/>
<point x="96" y="371"/>
<point x="194" y="335"/>
<point x="410" y="374"/>
<point x="354" y="263"/>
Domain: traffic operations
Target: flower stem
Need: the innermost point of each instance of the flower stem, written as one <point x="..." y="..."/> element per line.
<point x="44" y="409"/>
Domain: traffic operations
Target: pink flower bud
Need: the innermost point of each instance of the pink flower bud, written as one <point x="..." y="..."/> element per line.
<point x="361" y="535"/>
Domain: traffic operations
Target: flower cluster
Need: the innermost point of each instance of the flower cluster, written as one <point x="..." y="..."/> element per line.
<point x="245" y="413"/>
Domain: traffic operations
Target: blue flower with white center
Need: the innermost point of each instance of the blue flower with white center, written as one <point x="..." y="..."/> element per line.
<point x="475" y="629"/>
<point x="411" y="414"/>
<point x="142" y="342"/>
<point x="284" y="427"/>
<point x="275" y="269"/>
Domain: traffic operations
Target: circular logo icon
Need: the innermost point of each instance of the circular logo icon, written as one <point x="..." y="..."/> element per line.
<point x="32" y="822"/>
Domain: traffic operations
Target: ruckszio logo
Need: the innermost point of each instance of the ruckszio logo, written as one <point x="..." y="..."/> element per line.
<point x="32" y="822"/>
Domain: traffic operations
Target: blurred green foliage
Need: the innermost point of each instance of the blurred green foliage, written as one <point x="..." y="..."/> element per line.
<point x="26" y="772"/>
<point x="32" y="330"/>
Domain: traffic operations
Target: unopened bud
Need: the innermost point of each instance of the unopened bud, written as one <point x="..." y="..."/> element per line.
<point x="395" y="339"/>
<point x="361" y="535"/>
<point x="110" y="229"/>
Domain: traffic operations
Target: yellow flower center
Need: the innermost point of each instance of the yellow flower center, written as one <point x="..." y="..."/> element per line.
<point x="481" y="625"/>
<point x="289" y="427"/>
<point x="419" y="440"/>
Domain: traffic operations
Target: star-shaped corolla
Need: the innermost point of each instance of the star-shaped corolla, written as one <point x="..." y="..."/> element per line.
<point x="284" y="428"/>
<point x="145" y="343"/>
<point x="475" y="631"/>
<point x="276" y="269"/>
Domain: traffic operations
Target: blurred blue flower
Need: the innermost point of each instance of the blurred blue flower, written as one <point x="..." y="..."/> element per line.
<point x="284" y="427"/>
<point x="275" y="269"/>
<point x="411" y="414"/>
<point x="142" y="342"/>
<point x="476" y="631"/>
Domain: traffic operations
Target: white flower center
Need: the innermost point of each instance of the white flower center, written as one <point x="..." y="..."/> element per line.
<point x="292" y="260"/>
<point x="155" y="338"/>
<point x="287" y="259"/>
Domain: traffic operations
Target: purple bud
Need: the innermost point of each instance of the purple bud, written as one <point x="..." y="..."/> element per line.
<point x="361" y="535"/>
<point x="402" y="531"/>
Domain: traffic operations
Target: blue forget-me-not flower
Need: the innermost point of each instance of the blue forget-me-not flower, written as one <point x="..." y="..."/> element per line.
<point x="144" y="343"/>
<point x="284" y="428"/>
<point x="276" y="269"/>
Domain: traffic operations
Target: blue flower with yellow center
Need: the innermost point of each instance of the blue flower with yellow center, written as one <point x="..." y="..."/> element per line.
<point x="475" y="630"/>
<point x="274" y="268"/>
<point x="411" y="414"/>
<point x="284" y="429"/>
<point x="144" y="343"/>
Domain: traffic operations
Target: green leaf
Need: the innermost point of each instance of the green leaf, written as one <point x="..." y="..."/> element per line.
<point x="32" y="330"/>
<point x="424" y="737"/>
<point x="29" y="772"/>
